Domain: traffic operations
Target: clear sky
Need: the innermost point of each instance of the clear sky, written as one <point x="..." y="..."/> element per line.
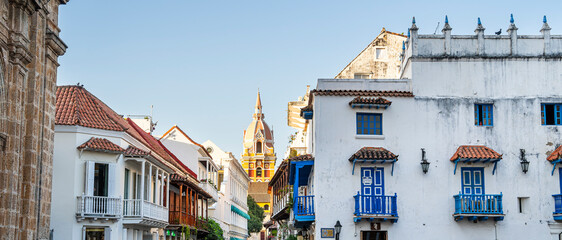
<point x="200" y="63"/>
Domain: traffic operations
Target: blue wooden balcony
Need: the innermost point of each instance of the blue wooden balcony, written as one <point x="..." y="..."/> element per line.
<point x="478" y="207"/>
<point x="373" y="207"/>
<point x="557" y="214"/>
<point x="304" y="208"/>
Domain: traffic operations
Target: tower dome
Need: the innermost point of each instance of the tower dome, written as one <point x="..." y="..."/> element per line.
<point x="258" y="156"/>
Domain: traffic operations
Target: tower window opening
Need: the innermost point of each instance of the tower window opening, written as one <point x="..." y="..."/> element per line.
<point x="258" y="147"/>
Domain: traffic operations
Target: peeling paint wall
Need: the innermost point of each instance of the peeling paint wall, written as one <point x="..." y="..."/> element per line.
<point x="439" y="119"/>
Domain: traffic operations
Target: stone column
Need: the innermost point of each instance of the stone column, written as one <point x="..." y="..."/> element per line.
<point x="447" y="33"/>
<point x="512" y="30"/>
<point x="414" y="37"/>
<point x="545" y="30"/>
<point x="480" y="34"/>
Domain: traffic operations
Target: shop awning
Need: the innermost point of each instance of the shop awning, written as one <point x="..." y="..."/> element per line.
<point x="239" y="212"/>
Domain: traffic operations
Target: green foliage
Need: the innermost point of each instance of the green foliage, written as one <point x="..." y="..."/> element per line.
<point x="186" y="232"/>
<point x="255" y="223"/>
<point x="293" y="153"/>
<point x="289" y="204"/>
<point x="292" y="237"/>
<point x="273" y="232"/>
<point x="214" y="229"/>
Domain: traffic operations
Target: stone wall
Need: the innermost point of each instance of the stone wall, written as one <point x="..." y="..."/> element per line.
<point x="29" y="48"/>
<point x="371" y="66"/>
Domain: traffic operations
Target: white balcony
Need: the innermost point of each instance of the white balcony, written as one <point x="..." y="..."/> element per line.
<point x="98" y="207"/>
<point x="145" y="213"/>
<point x="280" y="205"/>
<point x="210" y="189"/>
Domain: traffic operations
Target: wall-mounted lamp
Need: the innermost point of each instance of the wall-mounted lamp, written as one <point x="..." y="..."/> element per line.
<point x="338" y="229"/>
<point x="524" y="162"/>
<point x="424" y="163"/>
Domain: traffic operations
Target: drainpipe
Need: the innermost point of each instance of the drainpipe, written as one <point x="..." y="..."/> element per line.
<point x="496" y="230"/>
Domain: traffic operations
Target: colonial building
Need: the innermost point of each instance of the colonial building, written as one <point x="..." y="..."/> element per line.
<point x="464" y="145"/>
<point x="379" y="60"/>
<point x="258" y="157"/>
<point x="29" y="51"/>
<point x="231" y="211"/>
<point x="113" y="180"/>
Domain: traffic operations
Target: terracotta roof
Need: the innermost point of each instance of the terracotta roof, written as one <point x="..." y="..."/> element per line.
<point x="158" y="148"/>
<point x="375" y="101"/>
<point x="101" y="145"/>
<point x="475" y="152"/>
<point x="132" y="151"/>
<point x="258" y="191"/>
<point x="304" y="157"/>
<point x="76" y="106"/>
<point x="365" y="93"/>
<point x="557" y="154"/>
<point x="177" y="178"/>
<point x="373" y="153"/>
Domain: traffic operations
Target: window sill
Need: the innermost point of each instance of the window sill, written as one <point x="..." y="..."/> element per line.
<point x="366" y="136"/>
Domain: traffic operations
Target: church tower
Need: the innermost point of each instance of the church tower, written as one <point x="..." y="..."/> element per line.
<point x="258" y="157"/>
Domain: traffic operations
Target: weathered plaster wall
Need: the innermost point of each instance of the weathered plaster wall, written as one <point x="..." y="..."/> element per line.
<point x="439" y="119"/>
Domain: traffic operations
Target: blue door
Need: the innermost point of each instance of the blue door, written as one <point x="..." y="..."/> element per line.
<point x="473" y="181"/>
<point x="372" y="190"/>
<point x="560" y="177"/>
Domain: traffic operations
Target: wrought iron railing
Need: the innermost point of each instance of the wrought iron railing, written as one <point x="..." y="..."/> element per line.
<point x="98" y="206"/>
<point x="478" y="204"/>
<point x="375" y="205"/>
<point x="304" y="205"/>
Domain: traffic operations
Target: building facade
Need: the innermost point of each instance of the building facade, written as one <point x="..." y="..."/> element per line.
<point x="464" y="145"/>
<point x="231" y="211"/>
<point x="29" y="51"/>
<point x="113" y="180"/>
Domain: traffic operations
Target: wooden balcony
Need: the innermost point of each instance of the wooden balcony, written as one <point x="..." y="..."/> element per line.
<point x="279" y="207"/>
<point x="137" y="211"/>
<point x="557" y="214"/>
<point x="304" y="208"/>
<point x="182" y="218"/>
<point x="372" y="207"/>
<point x="478" y="207"/>
<point x="97" y="207"/>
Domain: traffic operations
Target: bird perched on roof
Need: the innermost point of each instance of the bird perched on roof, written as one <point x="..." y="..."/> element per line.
<point x="499" y="32"/>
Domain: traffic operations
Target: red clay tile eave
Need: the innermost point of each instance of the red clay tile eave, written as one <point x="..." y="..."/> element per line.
<point x="160" y="149"/>
<point x="364" y="93"/>
<point x="556" y="155"/>
<point x="475" y="152"/>
<point x="373" y="101"/>
<point x="101" y="144"/>
<point x="373" y="153"/>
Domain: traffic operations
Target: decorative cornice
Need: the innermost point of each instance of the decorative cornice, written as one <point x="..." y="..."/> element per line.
<point x="55" y="43"/>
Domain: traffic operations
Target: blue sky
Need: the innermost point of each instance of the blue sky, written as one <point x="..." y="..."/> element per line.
<point x="200" y="63"/>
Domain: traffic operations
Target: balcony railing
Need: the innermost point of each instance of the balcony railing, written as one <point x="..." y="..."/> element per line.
<point x="384" y="206"/>
<point x="210" y="189"/>
<point x="132" y="208"/>
<point x="304" y="205"/>
<point x="280" y="204"/>
<point x="478" y="204"/>
<point x="96" y="206"/>
<point x="557" y="207"/>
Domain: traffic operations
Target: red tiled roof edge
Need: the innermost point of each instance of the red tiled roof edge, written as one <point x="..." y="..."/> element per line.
<point x="364" y="100"/>
<point x="134" y="151"/>
<point x="146" y="137"/>
<point x="475" y="152"/>
<point x="101" y="145"/>
<point x="557" y="154"/>
<point x="367" y="93"/>
<point x="189" y="138"/>
<point x="373" y="153"/>
<point x="304" y="157"/>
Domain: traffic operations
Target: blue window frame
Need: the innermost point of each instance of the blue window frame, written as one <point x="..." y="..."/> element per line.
<point x="551" y="113"/>
<point x="473" y="181"/>
<point x="369" y="123"/>
<point x="483" y="114"/>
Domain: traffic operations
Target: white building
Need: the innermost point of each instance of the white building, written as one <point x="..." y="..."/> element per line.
<point x="110" y="178"/>
<point x="478" y="105"/>
<point x="231" y="211"/>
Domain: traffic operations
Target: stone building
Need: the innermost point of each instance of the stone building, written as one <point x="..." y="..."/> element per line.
<point x="379" y="60"/>
<point x="29" y="48"/>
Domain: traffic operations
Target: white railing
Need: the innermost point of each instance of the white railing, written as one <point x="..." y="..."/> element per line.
<point x="155" y="211"/>
<point x="98" y="206"/>
<point x="207" y="187"/>
<point x="280" y="204"/>
<point x="132" y="208"/>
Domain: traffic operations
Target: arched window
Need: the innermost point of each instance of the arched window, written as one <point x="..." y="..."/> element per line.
<point x="258" y="147"/>
<point x="266" y="207"/>
<point x="258" y="172"/>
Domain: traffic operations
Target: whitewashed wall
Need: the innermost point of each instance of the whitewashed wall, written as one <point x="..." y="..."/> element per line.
<point x="439" y="119"/>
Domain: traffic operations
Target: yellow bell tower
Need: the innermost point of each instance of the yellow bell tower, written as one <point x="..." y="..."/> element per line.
<point x="258" y="157"/>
